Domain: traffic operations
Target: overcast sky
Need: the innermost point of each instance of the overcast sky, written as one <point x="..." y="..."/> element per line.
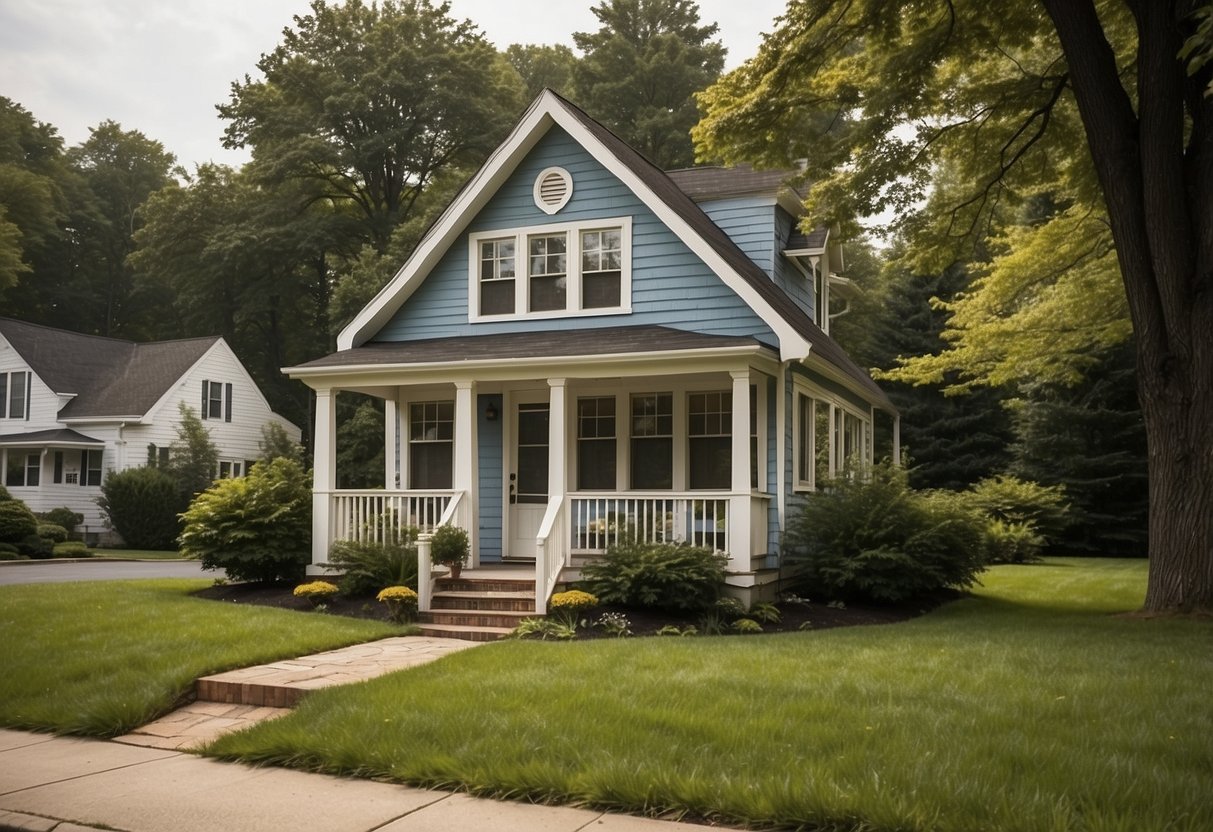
<point x="161" y="66"/>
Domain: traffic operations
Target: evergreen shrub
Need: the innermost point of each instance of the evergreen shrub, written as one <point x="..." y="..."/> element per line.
<point x="257" y="527"/>
<point x="52" y="532"/>
<point x="17" y="522"/>
<point x="64" y="517"/>
<point x="670" y="576"/>
<point x="142" y="505"/>
<point x="876" y="539"/>
<point x="370" y="567"/>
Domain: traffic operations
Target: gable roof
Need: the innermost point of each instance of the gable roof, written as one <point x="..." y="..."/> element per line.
<point x="108" y="377"/>
<point x="798" y="335"/>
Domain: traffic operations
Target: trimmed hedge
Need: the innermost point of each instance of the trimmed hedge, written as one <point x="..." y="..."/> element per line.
<point x="668" y="576"/>
<point x="142" y="505"/>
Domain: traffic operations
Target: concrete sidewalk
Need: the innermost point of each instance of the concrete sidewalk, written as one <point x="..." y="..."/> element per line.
<point x="72" y="785"/>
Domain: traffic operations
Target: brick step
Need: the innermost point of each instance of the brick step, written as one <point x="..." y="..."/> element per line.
<point x="473" y="618"/>
<point x="214" y="689"/>
<point x="465" y="632"/>
<point x="465" y="584"/>
<point x="508" y="601"/>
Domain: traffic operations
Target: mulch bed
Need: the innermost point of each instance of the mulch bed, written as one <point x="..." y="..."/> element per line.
<point x="642" y="622"/>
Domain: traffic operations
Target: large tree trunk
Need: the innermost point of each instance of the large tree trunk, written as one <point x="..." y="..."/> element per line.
<point x="1159" y="195"/>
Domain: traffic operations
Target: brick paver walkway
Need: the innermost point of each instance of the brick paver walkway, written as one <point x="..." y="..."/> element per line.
<point x="239" y="698"/>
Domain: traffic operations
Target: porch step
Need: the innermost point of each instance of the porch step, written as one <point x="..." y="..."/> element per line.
<point x="463" y="600"/>
<point x="478" y="607"/>
<point x="465" y="632"/>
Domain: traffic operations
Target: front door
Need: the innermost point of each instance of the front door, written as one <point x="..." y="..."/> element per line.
<point x="528" y="491"/>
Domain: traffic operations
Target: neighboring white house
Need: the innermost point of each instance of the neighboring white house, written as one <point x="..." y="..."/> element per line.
<point x="584" y="345"/>
<point x="75" y="407"/>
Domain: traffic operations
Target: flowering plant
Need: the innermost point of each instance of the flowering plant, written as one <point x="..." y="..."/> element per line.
<point x="317" y="592"/>
<point x="401" y="602"/>
<point x="566" y="605"/>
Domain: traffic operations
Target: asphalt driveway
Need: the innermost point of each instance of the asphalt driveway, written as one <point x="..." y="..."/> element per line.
<point x="58" y="571"/>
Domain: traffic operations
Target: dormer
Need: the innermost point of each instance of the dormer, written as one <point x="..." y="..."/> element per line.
<point x="819" y="260"/>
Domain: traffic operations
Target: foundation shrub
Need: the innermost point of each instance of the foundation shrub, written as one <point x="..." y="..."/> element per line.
<point x="142" y="505"/>
<point x="667" y="576"/>
<point x="876" y="539"/>
<point x="52" y="532"/>
<point x="369" y="567"/>
<point x="17" y="522"/>
<point x="255" y="528"/>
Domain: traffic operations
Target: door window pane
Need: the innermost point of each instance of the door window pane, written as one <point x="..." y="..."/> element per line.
<point x="532" y="482"/>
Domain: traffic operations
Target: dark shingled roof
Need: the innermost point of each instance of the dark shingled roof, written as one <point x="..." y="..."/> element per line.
<point x="715" y="182"/>
<point x="523" y="345"/>
<point x="109" y="376"/>
<point x="666" y="189"/>
<point x="54" y="436"/>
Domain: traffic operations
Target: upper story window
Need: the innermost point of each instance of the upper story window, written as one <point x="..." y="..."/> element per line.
<point x="14" y="395"/>
<point x="577" y="268"/>
<point x="216" y="400"/>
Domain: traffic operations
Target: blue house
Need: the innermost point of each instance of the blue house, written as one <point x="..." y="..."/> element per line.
<point x="584" y="346"/>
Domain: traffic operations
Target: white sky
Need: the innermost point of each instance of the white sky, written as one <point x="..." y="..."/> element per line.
<point x="161" y="66"/>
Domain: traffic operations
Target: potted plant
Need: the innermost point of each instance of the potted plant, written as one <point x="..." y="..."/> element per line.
<point x="449" y="547"/>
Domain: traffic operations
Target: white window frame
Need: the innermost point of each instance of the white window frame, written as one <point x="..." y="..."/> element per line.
<point x="839" y="409"/>
<point x="15" y="394"/>
<point x="522" y="281"/>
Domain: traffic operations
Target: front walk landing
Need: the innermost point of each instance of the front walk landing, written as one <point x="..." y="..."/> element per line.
<point x="73" y="785"/>
<point x="236" y="699"/>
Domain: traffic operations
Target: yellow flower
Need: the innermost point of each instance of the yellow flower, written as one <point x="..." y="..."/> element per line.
<point x="574" y="599"/>
<point x="315" y="589"/>
<point x="396" y="593"/>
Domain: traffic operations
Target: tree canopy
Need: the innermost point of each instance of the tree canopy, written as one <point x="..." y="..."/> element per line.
<point x="960" y="120"/>
<point x="640" y="70"/>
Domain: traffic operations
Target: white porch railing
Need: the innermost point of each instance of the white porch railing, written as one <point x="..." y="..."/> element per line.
<point x="600" y="522"/>
<point x="377" y="516"/>
<point x="551" y="551"/>
<point x="454" y="514"/>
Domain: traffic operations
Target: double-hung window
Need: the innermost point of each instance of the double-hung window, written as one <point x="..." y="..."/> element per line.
<point x="830" y="440"/>
<point x="596" y="443"/>
<point x="652" y="446"/>
<point x="24" y="468"/>
<point x="431" y="444"/>
<point x="216" y="400"/>
<point x="565" y="269"/>
<point x="710" y="439"/>
<point x="14" y="395"/>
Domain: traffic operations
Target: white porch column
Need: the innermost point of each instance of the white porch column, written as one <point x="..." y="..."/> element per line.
<point x="557" y="438"/>
<point x="739" y="503"/>
<point x="391" y="456"/>
<point x="464" y="476"/>
<point x="324" y="476"/>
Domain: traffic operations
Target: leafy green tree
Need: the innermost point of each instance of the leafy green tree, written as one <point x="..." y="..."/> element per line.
<point x="360" y="445"/>
<point x="193" y="459"/>
<point x="1089" y="103"/>
<point x="360" y="105"/>
<point x="542" y="66"/>
<point x="276" y="444"/>
<point x="640" y="70"/>
<point x="121" y="168"/>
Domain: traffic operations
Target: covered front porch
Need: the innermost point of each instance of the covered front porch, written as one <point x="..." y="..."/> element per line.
<point x="548" y="466"/>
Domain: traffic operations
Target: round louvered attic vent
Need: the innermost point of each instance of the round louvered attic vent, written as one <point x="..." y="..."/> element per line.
<point x="553" y="188"/>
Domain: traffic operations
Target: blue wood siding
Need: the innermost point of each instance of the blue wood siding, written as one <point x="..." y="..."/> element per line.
<point x="671" y="286"/>
<point x="789" y="278"/>
<point x="488" y="467"/>
<point x="750" y="223"/>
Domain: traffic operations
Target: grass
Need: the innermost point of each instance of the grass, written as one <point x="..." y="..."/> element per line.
<point x="100" y="658"/>
<point x="1029" y="706"/>
<point x="138" y="554"/>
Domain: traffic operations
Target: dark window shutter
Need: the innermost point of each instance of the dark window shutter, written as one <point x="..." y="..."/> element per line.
<point x="58" y="466"/>
<point x="3" y="395"/>
<point x="29" y="388"/>
<point x="227" y="402"/>
<point x="83" y="478"/>
<point x="206" y="386"/>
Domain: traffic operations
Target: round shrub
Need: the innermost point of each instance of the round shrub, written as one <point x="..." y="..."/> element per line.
<point x="64" y="517"/>
<point x="71" y="549"/>
<point x="10" y="552"/>
<point x="142" y="505"/>
<point x="876" y="539"/>
<point x="36" y="547"/>
<point x="52" y="532"/>
<point x="668" y="576"/>
<point x="255" y="528"/>
<point x="17" y="522"/>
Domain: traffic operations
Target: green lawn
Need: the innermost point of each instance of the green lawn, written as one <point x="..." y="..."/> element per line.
<point x="101" y="658"/>
<point x="1027" y="707"/>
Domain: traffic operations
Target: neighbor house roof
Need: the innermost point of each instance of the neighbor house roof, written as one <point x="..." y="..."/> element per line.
<point x="61" y="437"/>
<point x="108" y="377"/>
<point x="716" y="182"/>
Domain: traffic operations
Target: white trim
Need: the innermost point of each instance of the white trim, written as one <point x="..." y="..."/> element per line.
<point x="573" y="274"/>
<point x="548" y="110"/>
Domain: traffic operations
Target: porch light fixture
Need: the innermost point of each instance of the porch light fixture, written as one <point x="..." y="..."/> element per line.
<point x="490" y="412"/>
